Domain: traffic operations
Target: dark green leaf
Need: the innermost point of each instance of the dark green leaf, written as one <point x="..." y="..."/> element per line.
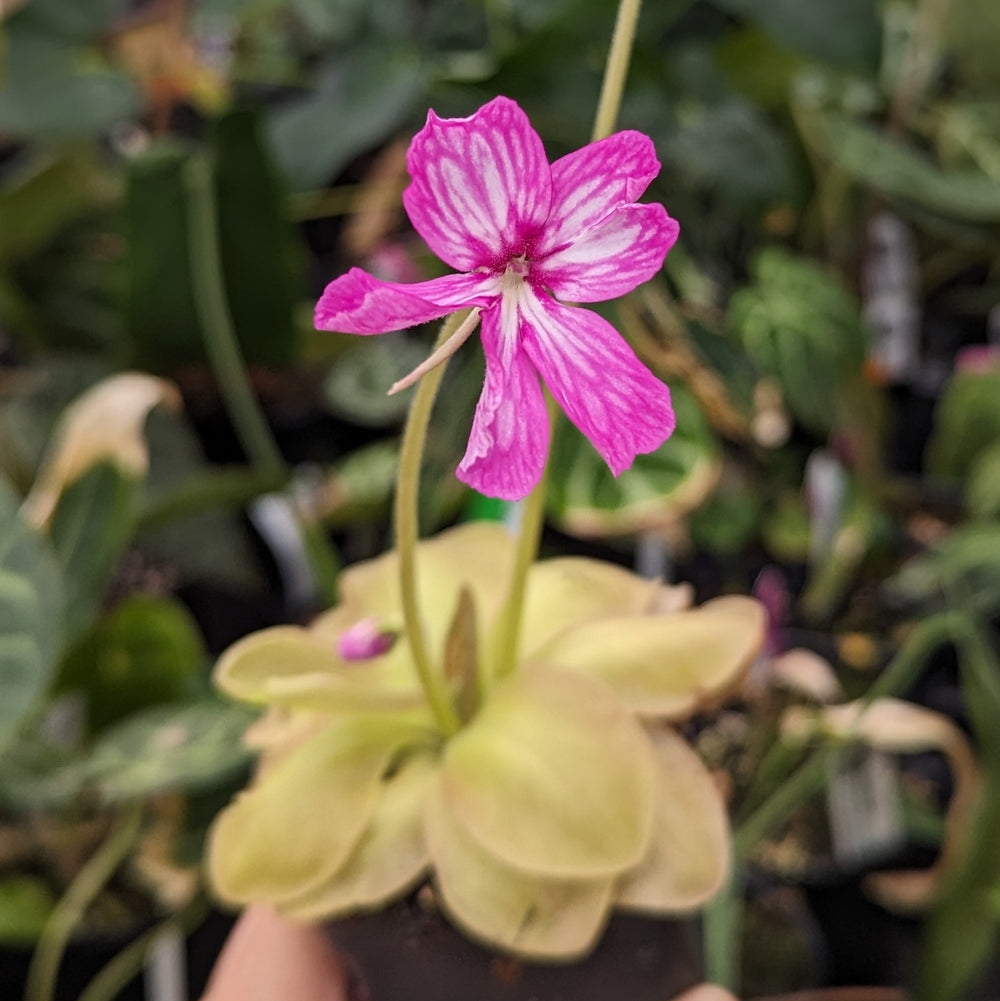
<point x="25" y="906"/>
<point x="51" y="90"/>
<point x="358" y="100"/>
<point x="43" y="196"/>
<point x="966" y="562"/>
<point x="966" y="423"/>
<point x="897" y="170"/>
<point x="846" y="34"/>
<point x="260" y="259"/>
<point x="92" y="523"/>
<point x="357" y="385"/>
<point x="188" y="747"/>
<point x="30" y="616"/>
<point x="982" y="492"/>
<point x="586" y="499"/>
<point x="146" y="652"/>
<point x="159" y="306"/>
<point x="84" y="20"/>
<point x="800" y="326"/>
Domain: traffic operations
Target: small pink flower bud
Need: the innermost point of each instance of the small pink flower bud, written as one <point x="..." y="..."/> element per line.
<point x="365" y="639"/>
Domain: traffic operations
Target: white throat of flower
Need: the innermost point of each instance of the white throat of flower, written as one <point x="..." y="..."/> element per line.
<point x="442" y="354"/>
<point x="510" y="285"/>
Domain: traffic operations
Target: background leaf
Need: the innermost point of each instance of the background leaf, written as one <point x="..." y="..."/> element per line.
<point x="30" y="616"/>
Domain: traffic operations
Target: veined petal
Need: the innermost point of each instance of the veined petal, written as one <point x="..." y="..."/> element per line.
<point x="481" y="186"/>
<point x="510" y="433"/>
<point x="596" y="378"/>
<point x="360" y="303"/>
<point x="590" y="183"/>
<point x="531" y="916"/>
<point x="612" y="258"/>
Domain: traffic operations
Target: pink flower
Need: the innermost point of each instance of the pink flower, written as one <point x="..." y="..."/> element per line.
<point x="526" y="234"/>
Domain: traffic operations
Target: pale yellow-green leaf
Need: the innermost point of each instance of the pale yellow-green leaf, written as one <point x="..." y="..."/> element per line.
<point x="391" y="856"/>
<point x="553" y="777"/>
<point x="569" y="591"/>
<point x="105" y="423"/>
<point x="299" y="668"/>
<point x="477" y="555"/>
<point x="533" y="917"/>
<point x="689" y="857"/>
<point x="666" y="666"/>
<point x="298" y="824"/>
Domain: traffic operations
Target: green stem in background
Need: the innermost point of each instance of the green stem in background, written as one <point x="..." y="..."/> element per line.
<point x="616" y="68"/>
<point x="69" y="912"/>
<point x="226" y="359"/>
<point x="408" y="530"/>
<point x="217" y="330"/>
<point x="722" y="920"/>
<point x="123" y="968"/>
<point x="533" y="511"/>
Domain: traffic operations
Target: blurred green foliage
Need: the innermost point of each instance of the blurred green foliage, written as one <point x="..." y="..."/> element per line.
<point x="785" y="127"/>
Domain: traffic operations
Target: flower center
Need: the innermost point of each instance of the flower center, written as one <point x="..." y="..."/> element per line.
<point x="519" y="266"/>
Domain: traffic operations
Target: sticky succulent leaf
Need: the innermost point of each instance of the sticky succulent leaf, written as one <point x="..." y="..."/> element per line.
<point x="553" y="777"/>
<point x="534" y="917"/>
<point x="292" y="830"/>
<point x="478" y="555"/>
<point x="568" y="591"/>
<point x="391" y="856"/>
<point x="297" y="668"/>
<point x="689" y="857"/>
<point x="665" y="665"/>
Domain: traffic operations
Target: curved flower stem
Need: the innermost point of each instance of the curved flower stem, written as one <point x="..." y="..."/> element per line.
<point x="532" y="517"/>
<point x="226" y="360"/>
<point x="407" y="532"/>
<point x="533" y="513"/>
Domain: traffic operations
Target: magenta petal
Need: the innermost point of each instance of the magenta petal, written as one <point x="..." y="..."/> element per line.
<point x="481" y="187"/>
<point x="359" y="303"/>
<point x="510" y="433"/>
<point x="596" y="378"/>
<point x="612" y="258"/>
<point x="590" y="183"/>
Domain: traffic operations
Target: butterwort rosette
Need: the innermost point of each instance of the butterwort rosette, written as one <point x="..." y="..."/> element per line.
<point x="528" y="238"/>
<point x="563" y="794"/>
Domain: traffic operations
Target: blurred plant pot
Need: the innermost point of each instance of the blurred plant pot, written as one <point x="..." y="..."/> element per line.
<point x="409" y="952"/>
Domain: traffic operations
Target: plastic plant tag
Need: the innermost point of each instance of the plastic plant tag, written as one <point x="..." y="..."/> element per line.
<point x="890" y="282"/>
<point x="864" y="808"/>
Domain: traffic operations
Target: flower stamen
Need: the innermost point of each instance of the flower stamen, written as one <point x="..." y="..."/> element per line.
<point x="442" y="354"/>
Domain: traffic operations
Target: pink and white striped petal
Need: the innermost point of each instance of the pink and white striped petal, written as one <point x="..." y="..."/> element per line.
<point x="359" y="303"/>
<point x="612" y="258"/>
<point x="596" y="378"/>
<point x="590" y="183"/>
<point x="481" y="188"/>
<point x="510" y="433"/>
